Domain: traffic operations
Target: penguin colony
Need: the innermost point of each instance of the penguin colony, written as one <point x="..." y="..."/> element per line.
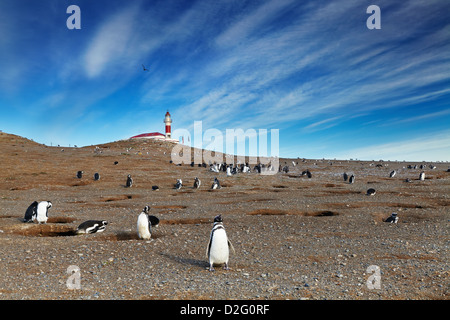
<point x="218" y="249"/>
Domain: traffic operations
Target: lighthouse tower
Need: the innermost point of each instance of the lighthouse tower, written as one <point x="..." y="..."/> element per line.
<point x="168" y="122"/>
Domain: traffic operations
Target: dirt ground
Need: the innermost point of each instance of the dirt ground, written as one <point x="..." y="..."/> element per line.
<point x="294" y="237"/>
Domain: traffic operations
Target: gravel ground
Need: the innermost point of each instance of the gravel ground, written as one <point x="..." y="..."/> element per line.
<point x="294" y="237"/>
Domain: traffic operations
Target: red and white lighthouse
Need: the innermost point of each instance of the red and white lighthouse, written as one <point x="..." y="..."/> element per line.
<point x="168" y="122"/>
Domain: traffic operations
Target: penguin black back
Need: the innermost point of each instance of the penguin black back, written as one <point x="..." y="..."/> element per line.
<point x="31" y="212"/>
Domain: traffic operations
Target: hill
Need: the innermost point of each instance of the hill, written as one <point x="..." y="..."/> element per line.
<point x="295" y="237"/>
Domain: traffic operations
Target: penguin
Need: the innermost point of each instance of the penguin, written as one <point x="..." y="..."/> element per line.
<point x="179" y="184"/>
<point x="80" y="174"/>
<point x="229" y="174"/>
<point x="145" y="223"/>
<point x="96" y="176"/>
<point x="308" y="174"/>
<point x="92" y="226"/>
<point x="345" y="176"/>
<point x="197" y="183"/>
<point x="422" y="176"/>
<point x="393" y="218"/>
<point x="216" y="184"/>
<point x="155" y="188"/>
<point x="371" y="192"/>
<point x="392" y="174"/>
<point x="42" y="211"/>
<point x="31" y="213"/>
<point x="352" y="179"/>
<point x="129" y="181"/>
<point x="116" y="163"/>
<point x="218" y="249"/>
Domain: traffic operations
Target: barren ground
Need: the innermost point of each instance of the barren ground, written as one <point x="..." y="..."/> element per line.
<point x="295" y="238"/>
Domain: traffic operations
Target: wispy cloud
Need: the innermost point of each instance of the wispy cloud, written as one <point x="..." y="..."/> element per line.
<point x="431" y="147"/>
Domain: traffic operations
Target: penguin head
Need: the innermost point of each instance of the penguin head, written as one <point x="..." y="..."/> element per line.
<point x="146" y="209"/>
<point x="104" y="222"/>
<point x="49" y="204"/>
<point x="218" y="218"/>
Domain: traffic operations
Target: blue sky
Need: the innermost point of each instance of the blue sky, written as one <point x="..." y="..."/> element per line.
<point x="311" y="69"/>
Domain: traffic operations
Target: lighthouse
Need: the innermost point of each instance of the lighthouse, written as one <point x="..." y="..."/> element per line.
<point x="168" y="122"/>
<point x="158" y="135"/>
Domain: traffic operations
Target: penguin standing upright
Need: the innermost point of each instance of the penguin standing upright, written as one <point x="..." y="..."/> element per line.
<point x="80" y="174"/>
<point x="345" y="176"/>
<point x="229" y="174"/>
<point x="392" y="174"/>
<point x="96" y="176"/>
<point x="216" y="184"/>
<point x="179" y="184"/>
<point x="129" y="181"/>
<point x="31" y="213"/>
<point x="422" y="176"/>
<point x="352" y="179"/>
<point x="197" y="183"/>
<point x="42" y="211"/>
<point x="218" y="249"/>
<point x="145" y="223"/>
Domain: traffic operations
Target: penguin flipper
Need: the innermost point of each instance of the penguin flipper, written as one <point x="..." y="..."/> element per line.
<point x="208" y="248"/>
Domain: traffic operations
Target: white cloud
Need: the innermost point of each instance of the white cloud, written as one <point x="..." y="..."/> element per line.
<point x="434" y="147"/>
<point x="110" y="43"/>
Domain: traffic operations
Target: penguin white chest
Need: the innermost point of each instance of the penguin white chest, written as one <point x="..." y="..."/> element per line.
<point x="42" y="208"/>
<point x="143" y="227"/>
<point x="219" y="251"/>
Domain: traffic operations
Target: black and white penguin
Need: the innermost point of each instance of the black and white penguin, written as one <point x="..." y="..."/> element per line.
<point x="129" y="181"/>
<point x="42" y="211"/>
<point x="145" y="223"/>
<point x="371" y="192"/>
<point x="422" y="176"/>
<point x="155" y="188"/>
<point x="352" y="179"/>
<point x="80" y="174"/>
<point x="392" y="174"/>
<point x="345" y="176"/>
<point x="197" y="183"/>
<point x="92" y="226"/>
<point x="179" y="184"/>
<point x="307" y="173"/>
<point x="218" y="249"/>
<point x="229" y="174"/>
<point x="31" y="213"/>
<point x="393" y="218"/>
<point x="216" y="184"/>
<point x="96" y="176"/>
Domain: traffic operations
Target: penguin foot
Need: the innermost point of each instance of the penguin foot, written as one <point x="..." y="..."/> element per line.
<point x="211" y="269"/>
